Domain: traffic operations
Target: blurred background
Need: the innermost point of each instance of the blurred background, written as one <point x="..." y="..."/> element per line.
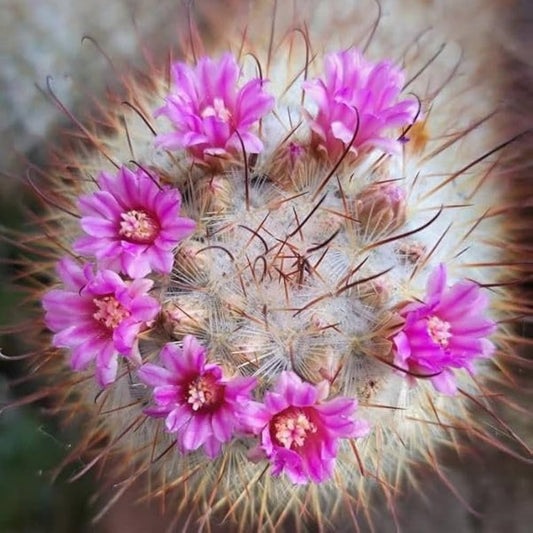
<point x="40" y="38"/>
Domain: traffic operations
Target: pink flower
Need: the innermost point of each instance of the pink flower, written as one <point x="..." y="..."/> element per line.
<point x="352" y="83"/>
<point x="199" y="405"/>
<point x="448" y="331"/>
<point x="209" y="111"/>
<point x="98" y="315"/>
<point x="132" y="224"/>
<point x="300" y="431"/>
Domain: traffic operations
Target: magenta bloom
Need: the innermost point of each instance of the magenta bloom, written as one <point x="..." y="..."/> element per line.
<point x="448" y="331"/>
<point x="207" y="109"/>
<point x="300" y="431"/>
<point x="351" y="82"/>
<point x="132" y="224"/>
<point x="199" y="405"/>
<point x="98" y="316"/>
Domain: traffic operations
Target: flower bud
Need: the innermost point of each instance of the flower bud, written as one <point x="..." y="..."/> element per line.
<point x="377" y="292"/>
<point x="215" y="194"/>
<point x="381" y="207"/>
<point x="185" y="314"/>
<point x="191" y="259"/>
<point x="288" y="165"/>
<point x="411" y="251"/>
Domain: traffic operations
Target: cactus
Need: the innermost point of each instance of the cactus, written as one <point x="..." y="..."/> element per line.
<point x="282" y="268"/>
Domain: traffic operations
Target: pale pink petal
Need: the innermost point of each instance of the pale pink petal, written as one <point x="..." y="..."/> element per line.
<point x="177" y="418"/>
<point x="135" y="265"/>
<point x="338" y="407"/>
<point x="144" y="308"/>
<point x="106" y="366"/>
<point x="166" y="395"/>
<point x="100" y="203"/>
<point x="255" y="417"/>
<point x="98" y="227"/>
<point x="74" y="335"/>
<point x="445" y="382"/>
<point x="219" y="424"/>
<point x="125" y="335"/>
<point x="71" y="274"/>
<point x="172" y="358"/>
<point x="212" y="447"/>
<point x="83" y="354"/>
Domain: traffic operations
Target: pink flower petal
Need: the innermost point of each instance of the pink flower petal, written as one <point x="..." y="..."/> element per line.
<point x="195" y="393"/>
<point x="196" y="432"/>
<point x="448" y="331"/>
<point x="98" y="227"/>
<point x="155" y="375"/>
<point x="338" y="407"/>
<point x="132" y="223"/>
<point x="83" y="354"/>
<point x="100" y="204"/>
<point x="71" y="274"/>
<point x="219" y="424"/>
<point x="178" y="418"/>
<point x="206" y="107"/>
<point x="445" y="382"/>
<point x="352" y="83"/>
<point x="106" y="366"/>
<point x="165" y="395"/>
<point x="212" y="447"/>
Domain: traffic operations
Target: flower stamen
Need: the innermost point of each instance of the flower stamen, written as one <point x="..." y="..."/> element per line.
<point x="110" y="312"/>
<point x="138" y="226"/>
<point x="293" y="430"/>
<point x="218" y="110"/>
<point x="203" y="392"/>
<point x="439" y="331"/>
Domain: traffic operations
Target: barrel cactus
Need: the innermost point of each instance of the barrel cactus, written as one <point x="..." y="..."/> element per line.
<point x="284" y="264"/>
